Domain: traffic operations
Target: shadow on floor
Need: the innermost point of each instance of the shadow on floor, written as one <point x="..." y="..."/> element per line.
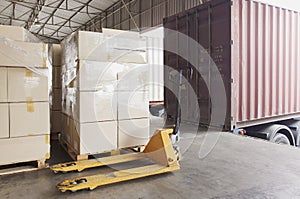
<point x="58" y="154"/>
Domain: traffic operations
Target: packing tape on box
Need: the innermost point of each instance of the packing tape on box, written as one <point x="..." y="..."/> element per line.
<point x="108" y="57"/>
<point x="30" y="105"/>
<point x="47" y="139"/>
<point x="28" y="73"/>
<point x="47" y="156"/>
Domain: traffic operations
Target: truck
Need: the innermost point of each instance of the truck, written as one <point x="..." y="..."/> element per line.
<point x="253" y="54"/>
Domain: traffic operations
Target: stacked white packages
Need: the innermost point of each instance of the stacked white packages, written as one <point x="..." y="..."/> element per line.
<point x="56" y="91"/>
<point x="105" y="95"/>
<point x="24" y="99"/>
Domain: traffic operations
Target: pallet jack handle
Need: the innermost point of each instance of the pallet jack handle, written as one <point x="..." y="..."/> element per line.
<point x="178" y="115"/>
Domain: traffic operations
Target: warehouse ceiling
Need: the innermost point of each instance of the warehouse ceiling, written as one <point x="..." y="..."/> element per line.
<point x="53" y="19"/>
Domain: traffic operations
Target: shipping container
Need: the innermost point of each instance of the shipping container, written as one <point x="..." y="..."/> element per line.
<point x="256" y="48"/>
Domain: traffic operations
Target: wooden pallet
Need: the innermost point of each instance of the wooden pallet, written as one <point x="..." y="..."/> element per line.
<point x="69" y="149"/>
<point x="74" y="154"/>
<point x="55" y="136"/>
<point x="23" y="167"/>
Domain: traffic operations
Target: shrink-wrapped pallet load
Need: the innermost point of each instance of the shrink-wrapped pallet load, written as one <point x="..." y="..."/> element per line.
<point x="56" y="91"/>
<point x="104" y="91"/>
<point x="24" y="99"/>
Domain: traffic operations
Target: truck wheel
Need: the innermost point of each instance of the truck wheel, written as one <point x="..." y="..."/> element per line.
<point x="281" y="139"/>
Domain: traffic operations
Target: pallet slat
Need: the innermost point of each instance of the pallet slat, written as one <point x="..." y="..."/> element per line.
<point x="73" y="154"/>
<point x="23" y="167"/>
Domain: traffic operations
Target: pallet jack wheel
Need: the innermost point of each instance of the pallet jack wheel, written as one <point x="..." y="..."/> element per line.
<point x="82" y="181"/>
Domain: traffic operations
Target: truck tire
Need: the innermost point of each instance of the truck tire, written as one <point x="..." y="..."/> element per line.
<point x="281" y="139"/>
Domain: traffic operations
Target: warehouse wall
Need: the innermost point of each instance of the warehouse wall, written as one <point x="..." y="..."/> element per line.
<point x="150" y="13"/>
<point x="143" y="14"/>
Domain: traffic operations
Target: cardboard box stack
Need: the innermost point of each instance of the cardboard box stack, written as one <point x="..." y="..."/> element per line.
<point x="56" y="94"/>
<point x="105" y="100"/>
<point x="24" y="99"/>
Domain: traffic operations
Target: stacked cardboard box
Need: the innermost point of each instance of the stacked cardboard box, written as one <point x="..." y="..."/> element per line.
<point x="24" y="100"/>
<point x="17" y="34"/>
<point x="96" y="96"/>
<point x="56" y="94"/>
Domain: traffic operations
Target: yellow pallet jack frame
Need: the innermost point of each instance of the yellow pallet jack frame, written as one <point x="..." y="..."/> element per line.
<point x="159" y="149"/>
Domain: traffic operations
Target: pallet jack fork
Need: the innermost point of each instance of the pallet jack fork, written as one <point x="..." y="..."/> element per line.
<point x="159" y="149"/>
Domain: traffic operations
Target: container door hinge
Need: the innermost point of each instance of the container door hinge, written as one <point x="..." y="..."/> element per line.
<point x="231" y="3"/>
<point x="231" y="42"/>
<point x="231" y="118"/>
<point x="231" y="81"/>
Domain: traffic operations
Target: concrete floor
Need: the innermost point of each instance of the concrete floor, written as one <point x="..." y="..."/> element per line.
<point x="237" y="167"/>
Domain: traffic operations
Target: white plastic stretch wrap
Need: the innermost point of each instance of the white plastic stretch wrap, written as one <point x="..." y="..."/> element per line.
<point x="24" y="97"/>
<point x="103" y="75"/>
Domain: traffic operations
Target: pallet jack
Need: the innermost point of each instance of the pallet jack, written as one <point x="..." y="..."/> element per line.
<point x="161" y="149"/>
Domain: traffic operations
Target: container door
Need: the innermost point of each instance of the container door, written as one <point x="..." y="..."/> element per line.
<point x="170" y="78"/>
<point x="203" y="84"/>
<point x="221" y="54"/>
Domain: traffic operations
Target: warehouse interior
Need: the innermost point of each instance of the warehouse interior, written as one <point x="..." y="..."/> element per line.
<point x="149" y="99"/>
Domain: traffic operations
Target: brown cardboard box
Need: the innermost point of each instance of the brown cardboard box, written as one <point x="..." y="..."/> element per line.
<point x="56" y="121"/>
<point x="94" y="75"/>
<point x="56" y="100"/>
<point x="133" y="132"/>
<point x="56" y="77"/>
<point x="4" y="121"/>
<point x="27" y="119"/>
<point x="24" y="149"/>
<point x="66" y="128"/>
<point x="17" y="33"/>
<point x="92" y="138"/>
<point x="133" y="105"/>
<point x="101" y="47"/>
<point x="3" y="84"/>
<point x="23" y="54"/>
<point x="56" y="55"/>
<point x="95" y="106"/>
<point x="25" y="85"/>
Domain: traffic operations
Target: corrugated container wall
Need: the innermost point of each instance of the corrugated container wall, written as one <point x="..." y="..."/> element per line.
<point x="256" y="48"/>
<point x="265" y="62"/>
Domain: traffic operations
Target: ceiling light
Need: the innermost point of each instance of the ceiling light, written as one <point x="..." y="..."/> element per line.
<point x="37" y="22"/>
